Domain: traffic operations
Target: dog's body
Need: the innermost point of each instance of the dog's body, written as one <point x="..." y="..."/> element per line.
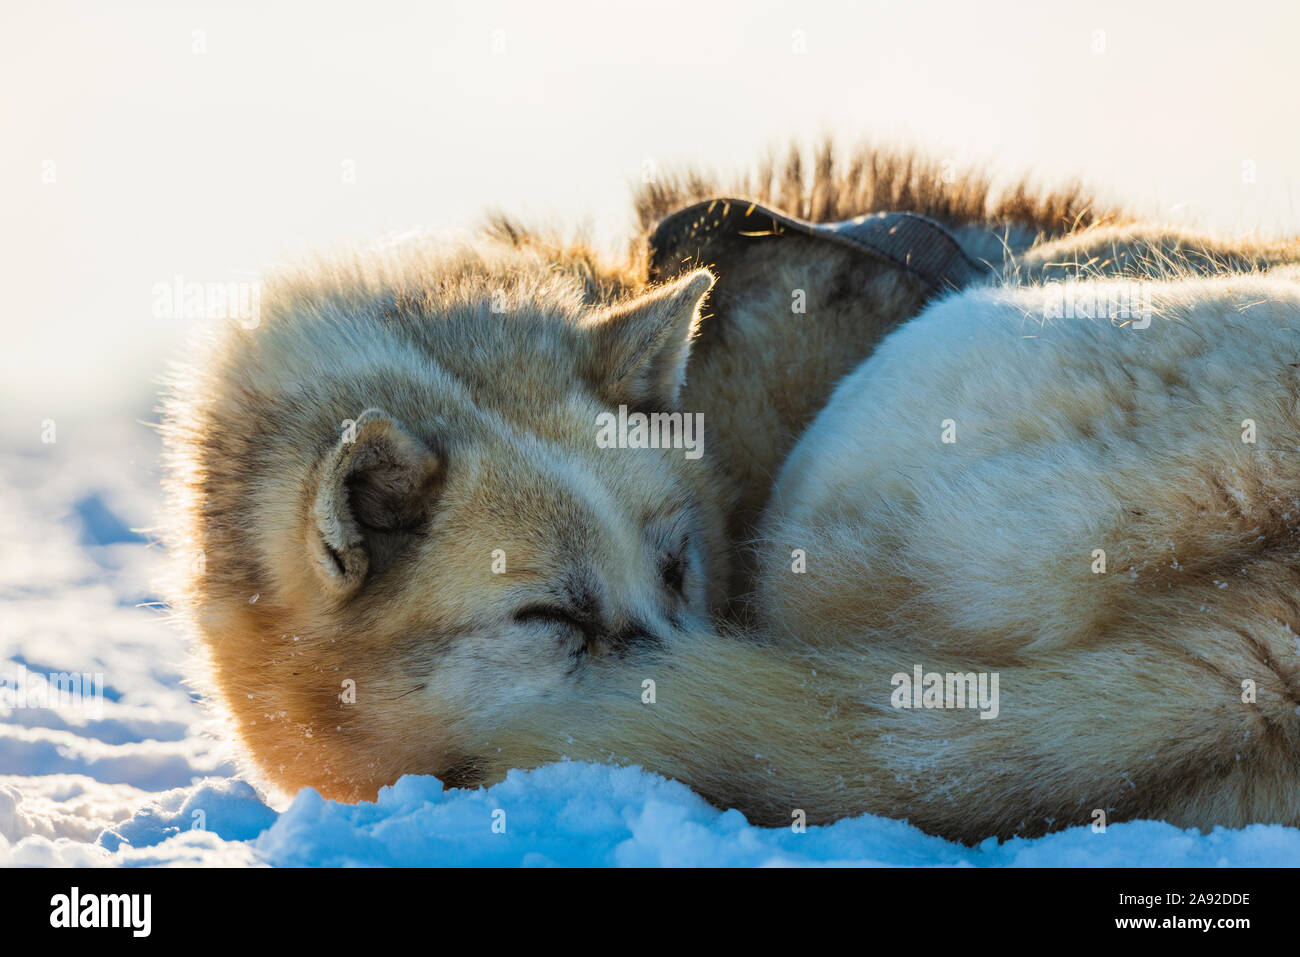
<point x="1094" y="529"/>
<point x="417" y="559"/>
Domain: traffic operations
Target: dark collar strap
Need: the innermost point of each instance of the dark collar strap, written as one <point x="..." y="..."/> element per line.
<point x="909" y="241"/>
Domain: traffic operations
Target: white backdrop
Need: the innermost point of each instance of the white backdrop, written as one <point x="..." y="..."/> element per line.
<point x="146" y="140"/>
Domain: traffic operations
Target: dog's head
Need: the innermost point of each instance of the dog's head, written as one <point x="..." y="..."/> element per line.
<point x="423" y="509"/>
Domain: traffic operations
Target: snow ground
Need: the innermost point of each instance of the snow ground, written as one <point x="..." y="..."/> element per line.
<point x="148" y="782"/>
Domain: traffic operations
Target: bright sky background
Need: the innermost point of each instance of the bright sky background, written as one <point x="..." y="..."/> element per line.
<point x="211" y="164"/>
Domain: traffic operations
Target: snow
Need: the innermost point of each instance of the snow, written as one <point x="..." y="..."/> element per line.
<point x="145" y="779"/>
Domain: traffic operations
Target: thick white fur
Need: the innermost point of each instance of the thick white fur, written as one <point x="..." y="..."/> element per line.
<point x="1166" y="685"/>
<point x="1062" y="427"/>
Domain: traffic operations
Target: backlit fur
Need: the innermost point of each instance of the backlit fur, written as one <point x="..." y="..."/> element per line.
<point x="344" y="475"/>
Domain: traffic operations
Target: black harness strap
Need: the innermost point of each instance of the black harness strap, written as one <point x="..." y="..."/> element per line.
<point x="914" y="243"/>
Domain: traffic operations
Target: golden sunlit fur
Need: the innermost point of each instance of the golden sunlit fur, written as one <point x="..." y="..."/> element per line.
<point x="403" y="550"/>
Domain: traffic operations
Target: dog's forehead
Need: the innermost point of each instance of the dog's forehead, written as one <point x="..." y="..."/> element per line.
<point x="515" y="351"/>
<point x="567" y="496"/>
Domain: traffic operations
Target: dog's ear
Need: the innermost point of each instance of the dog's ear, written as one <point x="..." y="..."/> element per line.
<point x="638" y="349"/>
<point x="377" y="483"/>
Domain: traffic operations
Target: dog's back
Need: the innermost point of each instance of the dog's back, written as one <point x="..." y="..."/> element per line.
<point x="1105" y="513"/>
